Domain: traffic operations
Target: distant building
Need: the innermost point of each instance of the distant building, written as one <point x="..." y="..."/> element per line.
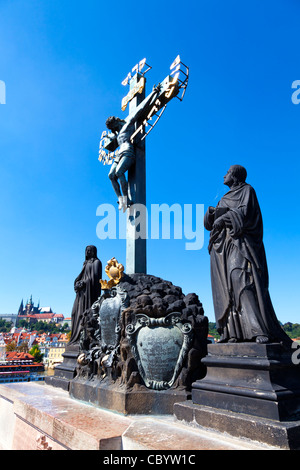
<point x="68" y="320"/>
<point x="2" y="348"/>
<point x="9" y="317"/>
<point x="19" y="356"/>
<point x="20" y="367"/>
<point x="52" y="346"/>
<point x="55" y="356"/>
<point x="20" y="335"/>
<point x="32" y="313"/>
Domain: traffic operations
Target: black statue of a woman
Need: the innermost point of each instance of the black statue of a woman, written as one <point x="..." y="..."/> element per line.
<point x="88" y="289"/>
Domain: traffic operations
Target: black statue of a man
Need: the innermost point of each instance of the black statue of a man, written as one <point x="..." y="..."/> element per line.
<point x="88" y="289"/>
<point x="126" y="157"/>
<point x="239" y="272"/>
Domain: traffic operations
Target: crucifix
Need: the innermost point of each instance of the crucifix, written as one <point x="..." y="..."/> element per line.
<point x="123" y="147"/>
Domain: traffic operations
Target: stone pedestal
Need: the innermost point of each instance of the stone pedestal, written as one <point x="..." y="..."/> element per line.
<point x="128" y="401"/>
<point x="141" y="350"/>
<point x="250" y="390"/>
<point x="66" y="371"/>
<point x="256" y="379"/>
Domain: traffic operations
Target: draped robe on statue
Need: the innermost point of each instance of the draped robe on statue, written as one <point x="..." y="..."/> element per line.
<point x="88" y="289"/>
<point x="239" y="273"/>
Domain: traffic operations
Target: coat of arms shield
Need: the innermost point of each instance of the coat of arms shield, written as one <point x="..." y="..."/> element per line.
<point x="159" y="346"/>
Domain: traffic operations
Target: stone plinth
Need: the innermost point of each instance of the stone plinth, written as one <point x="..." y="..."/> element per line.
<point x="250" y="390"/>
<point x="250" y="378"/>
<point x="144" y="351"/>
<point x="281" y="435"/>
<point x="66" y="371"/>
<point x="132" y="401"/>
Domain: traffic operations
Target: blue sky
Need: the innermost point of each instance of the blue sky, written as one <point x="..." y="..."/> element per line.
<point x="63" y="63"/>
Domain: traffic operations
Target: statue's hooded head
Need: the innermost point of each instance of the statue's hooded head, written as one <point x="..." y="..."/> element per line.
<point x="90" y="252"/>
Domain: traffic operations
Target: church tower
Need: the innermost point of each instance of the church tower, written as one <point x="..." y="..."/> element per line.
<point x="21" y="308"/>
<point x="29" y="306"/>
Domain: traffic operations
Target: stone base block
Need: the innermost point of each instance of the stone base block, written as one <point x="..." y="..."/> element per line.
<point x="133" y="401"/>
<point x="66" y="371"/>
<point x="250" y="378"/>
<point x="58" y="382"/>
<point x="281" y="435"/>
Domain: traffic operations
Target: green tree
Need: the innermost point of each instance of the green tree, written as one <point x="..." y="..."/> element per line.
<point x="65" y="327"/>
<point x="44" y="327"/>
<point x="12" y="346"/>
<point x="36" y="353"/>
<point x="23" y="347"/>
<point x="212" y="330"/>
<point x="23" y="323"/>
<point x="292" y="329"/>
<point x="5" y="326"/>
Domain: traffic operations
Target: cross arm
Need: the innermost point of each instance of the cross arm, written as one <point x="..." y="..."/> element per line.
<point x="159" y="97"/>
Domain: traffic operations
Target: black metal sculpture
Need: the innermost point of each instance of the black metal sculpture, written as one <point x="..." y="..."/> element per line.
<point x="87" y="287"/>
<point x="239" y="272"/>
<point x="142" y="331"/>
<point x="123" y="131"/>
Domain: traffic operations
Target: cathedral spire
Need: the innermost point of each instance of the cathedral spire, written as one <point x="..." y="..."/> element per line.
<point x="21" y="308"/>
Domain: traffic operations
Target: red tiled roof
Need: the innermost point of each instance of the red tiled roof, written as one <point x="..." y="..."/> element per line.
<point x="41" y="315"/>
<point x="19" y="356"/>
